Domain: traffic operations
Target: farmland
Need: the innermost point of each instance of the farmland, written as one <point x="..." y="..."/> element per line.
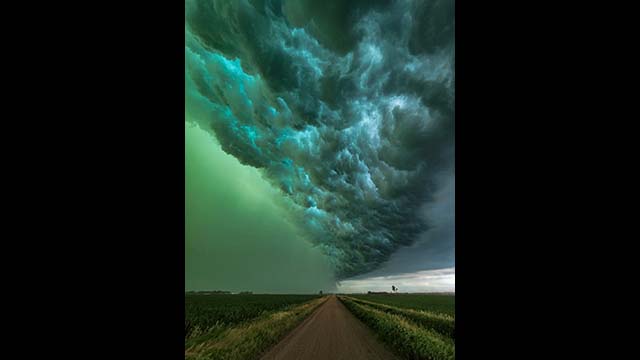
<point x="415" y="326"/>
<point x="224" y="326"/>
<point x="430" y="302"/>
<point x="223" y="310"/>
<point x="243" y="327"/>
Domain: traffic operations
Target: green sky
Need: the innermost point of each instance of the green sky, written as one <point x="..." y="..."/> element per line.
<point x="236" y="236"/>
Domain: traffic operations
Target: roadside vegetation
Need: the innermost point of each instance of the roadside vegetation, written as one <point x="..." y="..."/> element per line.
<point x="241" y="327"/>
<point x="411" y="333"/>
<point x="205" y="312"/>
<point x="441" y="323"/>
<point x="436" y="303"/>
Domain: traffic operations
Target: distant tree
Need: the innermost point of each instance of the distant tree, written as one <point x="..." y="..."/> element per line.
<point x="320" y="292"/>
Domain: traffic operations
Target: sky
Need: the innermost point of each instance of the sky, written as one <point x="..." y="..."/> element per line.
<point x="319" y="145"/>
<point x="237" y="238"/>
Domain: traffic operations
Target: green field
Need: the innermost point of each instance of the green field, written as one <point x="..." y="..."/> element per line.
<point x="415" y="326"/>
<point x="237" y="327"/>
<point x="430" y="302"/>
<point x="224" y="326"/>
<point x="203" y="312"/>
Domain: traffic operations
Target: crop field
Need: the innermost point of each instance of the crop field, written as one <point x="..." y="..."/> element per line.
<point x="430" y="302"/>
<point x="203" y="312"/>
<point x="415" y="326"/>
<point x="225" y="326"/>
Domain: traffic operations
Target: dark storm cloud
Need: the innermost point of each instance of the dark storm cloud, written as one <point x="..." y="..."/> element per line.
<point x="348" y="109"/>
<point x="433" y="249"/>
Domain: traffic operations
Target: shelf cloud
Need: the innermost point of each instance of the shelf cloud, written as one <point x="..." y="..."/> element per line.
<point x="346" y="108"/>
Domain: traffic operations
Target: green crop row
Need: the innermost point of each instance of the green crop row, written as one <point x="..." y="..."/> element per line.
<point x="405" y="337"/>
<point x="437" y="303"/>
<point x="249" y="340"/>
<point x="441" y="323"/>
<point x="215" y="312"/>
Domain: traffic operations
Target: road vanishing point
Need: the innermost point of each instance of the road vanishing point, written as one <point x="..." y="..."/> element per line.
<point x="331" y="332"/>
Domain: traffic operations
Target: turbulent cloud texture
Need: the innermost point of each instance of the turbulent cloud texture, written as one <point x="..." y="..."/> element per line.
<point x="346" y="107"/>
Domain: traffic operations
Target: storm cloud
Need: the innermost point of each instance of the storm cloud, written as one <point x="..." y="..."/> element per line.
<point x="346" y="107"/>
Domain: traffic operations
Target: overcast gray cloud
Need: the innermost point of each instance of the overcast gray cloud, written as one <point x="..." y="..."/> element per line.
<point x="434" y="248"/>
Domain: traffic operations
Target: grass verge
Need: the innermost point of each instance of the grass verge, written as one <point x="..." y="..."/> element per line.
<point x="405" y="337"/>
<point x="441" y="323"/>
<point x="249" y="341"/>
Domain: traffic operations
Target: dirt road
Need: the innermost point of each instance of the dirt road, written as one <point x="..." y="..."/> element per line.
<point x="330" y="333"/>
